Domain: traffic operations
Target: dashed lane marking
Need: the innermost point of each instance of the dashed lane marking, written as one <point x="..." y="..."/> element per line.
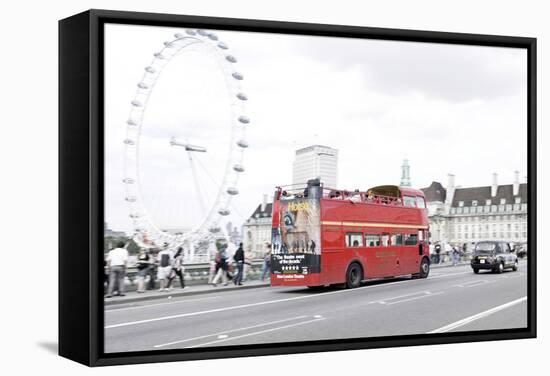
<point x="259" y="332"/>
<point x="226" y="332"/>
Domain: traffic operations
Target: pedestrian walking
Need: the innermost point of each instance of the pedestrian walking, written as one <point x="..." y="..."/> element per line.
<point x="164" y="259"/>
<point x="177" y="269"/>
<point x="238" y="257"/>
<point x="151" y="274"/>
<point x="437" y="248"/>
<point x="143" y="264"/>
<point x="117" y="260"/>
<point x="221" y="268"/>
<point x="266" y="267"/>
<point x="455" y="255"/>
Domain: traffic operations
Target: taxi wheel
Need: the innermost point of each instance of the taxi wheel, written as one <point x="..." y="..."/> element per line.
<point x="476" y="270"/>
<point x="354" y="276"/>
<point x="500" y="268"/>
<point x="515" y="267"/>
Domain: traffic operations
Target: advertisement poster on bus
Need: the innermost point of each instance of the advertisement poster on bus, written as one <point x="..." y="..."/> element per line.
<point x="297" y="241"/>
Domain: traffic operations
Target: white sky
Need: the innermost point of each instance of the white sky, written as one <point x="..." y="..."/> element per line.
<point x="447" y="108"/>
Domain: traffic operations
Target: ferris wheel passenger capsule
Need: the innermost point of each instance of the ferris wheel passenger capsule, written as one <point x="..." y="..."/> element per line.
<point x="238" y="168"/>
<point x="150" y="69"/>
<point x="169" y="44"/>
<point x="231" y="58"/>
<point x="202" y="33"/>
<point x="232" y="191"/>
<point x="158" y="55"/>
<point x="242" y="96"/>
<point x="213" y="36"/>
<point x="131" y="122"/>
<point x="238" y="76"/>
<point x="143" y="85"/>
<point x="223" y="46"/>
<point x="224" y="212"/>
<point x="129" y="142"/>
<point x="137" y="103"/>
<point x="244" y="119"/>
<point x="128" y="180"/>
<point x="242" y="143"/>
<point x="191" y="32"/>
<point x="131" y="199"/>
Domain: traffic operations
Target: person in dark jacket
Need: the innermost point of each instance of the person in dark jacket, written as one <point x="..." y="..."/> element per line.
<point x="238" y="257"/>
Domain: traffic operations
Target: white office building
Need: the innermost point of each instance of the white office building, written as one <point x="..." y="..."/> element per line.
<point x="316" y="161"/>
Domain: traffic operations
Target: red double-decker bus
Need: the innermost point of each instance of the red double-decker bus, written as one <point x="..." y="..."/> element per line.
<point x="323" y="236"/>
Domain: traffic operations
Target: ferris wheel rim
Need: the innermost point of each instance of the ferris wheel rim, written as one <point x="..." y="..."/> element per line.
<point x="142" y="221"/>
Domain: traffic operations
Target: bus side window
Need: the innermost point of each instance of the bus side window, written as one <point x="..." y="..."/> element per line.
<point x="385" y="240"/>
<point x="372" y="240"/>
<point x="354" y="239"/>
<point x="410" y="239"/>
<point x="420" y="202"/>
<point x="397" y="239"/>
<point x="409" y="201"/>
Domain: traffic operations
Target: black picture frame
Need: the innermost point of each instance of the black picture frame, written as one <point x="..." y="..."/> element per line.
<point x="81" y="185"/>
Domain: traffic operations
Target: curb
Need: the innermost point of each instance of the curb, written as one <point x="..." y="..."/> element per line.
<point x="154" y="295"/>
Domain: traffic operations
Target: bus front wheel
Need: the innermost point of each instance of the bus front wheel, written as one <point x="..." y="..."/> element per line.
<point x="354" y="276"/>
<point x="424" y="268"/>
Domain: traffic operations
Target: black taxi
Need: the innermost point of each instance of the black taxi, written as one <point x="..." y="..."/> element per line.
<point x="495" y="256"/>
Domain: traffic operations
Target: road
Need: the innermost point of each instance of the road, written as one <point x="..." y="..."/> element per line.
<point x="450" y="299"/>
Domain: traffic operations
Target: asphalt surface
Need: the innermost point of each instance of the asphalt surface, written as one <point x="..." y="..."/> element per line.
<point x="449" y="300"/>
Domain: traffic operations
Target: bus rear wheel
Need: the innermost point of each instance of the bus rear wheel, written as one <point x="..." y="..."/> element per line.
<point x="354" y="276"/>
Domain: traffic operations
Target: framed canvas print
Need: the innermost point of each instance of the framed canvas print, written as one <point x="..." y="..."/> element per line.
<point x="234" y="187"/>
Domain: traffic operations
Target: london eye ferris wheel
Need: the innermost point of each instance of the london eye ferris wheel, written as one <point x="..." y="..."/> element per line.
<point x="184" y="143"/>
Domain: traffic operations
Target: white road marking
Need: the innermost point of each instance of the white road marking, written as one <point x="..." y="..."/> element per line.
<point x="160" y="304"/>
<point x="267" y="302"/>
<point x="474" y="283"/>
<point x="230" y="331"/>
<point x="415" y="298"/>
<point x="478" y="316"/>
<point x="222" y="336"/>
<point x="385" y="300"/>
<point x="257" y="333"/>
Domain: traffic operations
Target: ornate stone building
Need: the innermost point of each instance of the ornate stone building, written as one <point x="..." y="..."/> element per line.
<point x="467" y="215"/>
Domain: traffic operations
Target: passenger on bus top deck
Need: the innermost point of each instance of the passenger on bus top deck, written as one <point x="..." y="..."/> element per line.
<point x="356" y="243"/>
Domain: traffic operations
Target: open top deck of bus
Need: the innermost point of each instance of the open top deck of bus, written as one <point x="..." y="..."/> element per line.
<point x="383" y="194"/>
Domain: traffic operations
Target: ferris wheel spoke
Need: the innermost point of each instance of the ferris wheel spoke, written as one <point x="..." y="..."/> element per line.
<point x="197" y="184"/>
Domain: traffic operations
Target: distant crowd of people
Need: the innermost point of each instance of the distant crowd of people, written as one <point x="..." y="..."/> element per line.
<point x="440" y="254"/>
<point x="163" y="266"/>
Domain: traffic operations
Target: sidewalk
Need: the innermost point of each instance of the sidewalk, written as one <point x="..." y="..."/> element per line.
<point x="133" y="296"/>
